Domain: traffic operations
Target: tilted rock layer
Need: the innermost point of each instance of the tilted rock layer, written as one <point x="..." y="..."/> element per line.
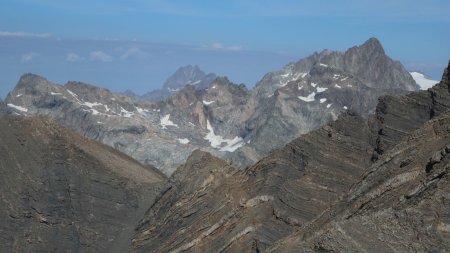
<point x="60" y="192"/>
<point x="354" y="185"/>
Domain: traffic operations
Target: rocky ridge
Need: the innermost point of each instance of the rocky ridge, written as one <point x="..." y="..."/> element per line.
<point x="353" y="185"/>
<point x="226" y="119"/>
<point x="61" y="192"/>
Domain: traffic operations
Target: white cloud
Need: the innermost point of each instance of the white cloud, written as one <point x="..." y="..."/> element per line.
<point x="100" y="56"/>
<point x="220" y="46"/>
<point x="133" y="52"/>
<point x="72" y="57"/>
<point x="216" y="45"/>
<point x="24" y="34"/>
<point x="28" y="57"/>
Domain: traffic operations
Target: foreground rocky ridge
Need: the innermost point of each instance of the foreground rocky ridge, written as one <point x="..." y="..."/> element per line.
<point x="354" y="185"/>
<point x="226" y="119"/>
<point x="61" y="192"/>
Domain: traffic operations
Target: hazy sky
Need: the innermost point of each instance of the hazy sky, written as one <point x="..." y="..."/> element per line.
<point x="136" y="44"/>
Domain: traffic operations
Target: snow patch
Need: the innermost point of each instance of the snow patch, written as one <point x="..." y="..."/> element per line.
<point x="313" y="84"/>
<point x="73" y="94"/>
<point x="323" y="100"/>
<point x="55" y="94"/>
<point x="286" y="75"/>
<point x="19" y="95"/>
<point x="91" y="105"/>
<point x="345" y="107"/>
<point x="323" y="65"/>
<point x="217" y="140"/>
<point x="422" y="80"/>
<point x="165" y="122"/>
<point x="125" y="113"/>
<point x="309" y="98"/>
<point x="19" y="108"/>
<point x="196" y="82"/>
<point x="208" y="102"/>
<point x="173" y="90"/>
<point x="192" y="124"/>
<point x="349" y="85"/>
<point x="329" y="105"/>
<point x="183" y="141"/>
<point x="338" y="86"/>
<point x="142" y="111"/>
<point x="319" y="89"/>
<point x="284" y="82"/>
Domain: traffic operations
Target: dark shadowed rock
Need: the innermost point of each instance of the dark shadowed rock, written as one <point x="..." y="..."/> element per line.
<point x="61" y="192"/>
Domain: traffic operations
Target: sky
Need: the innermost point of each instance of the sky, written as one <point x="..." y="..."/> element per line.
<point x="137" y="44"/>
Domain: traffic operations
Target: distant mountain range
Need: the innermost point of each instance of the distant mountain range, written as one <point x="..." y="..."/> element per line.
<point x="227" y="119"/>
<point x="370" y="175"/>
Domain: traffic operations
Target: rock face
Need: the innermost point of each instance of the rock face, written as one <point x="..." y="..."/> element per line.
<point x="308" y="93"/>
<point x="230" y="121"/>
<point x="61" y="192"/>
<point x="2" y="108"/>
<point x="353" y="185"/>
<point x="187" y="75"/>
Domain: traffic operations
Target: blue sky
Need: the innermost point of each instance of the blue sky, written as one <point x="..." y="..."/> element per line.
<point x="89" y="40"/>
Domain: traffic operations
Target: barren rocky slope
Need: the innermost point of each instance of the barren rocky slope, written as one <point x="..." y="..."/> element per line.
<point x="60" y="192"/>
<point x="354" y="185"/>
<point x="236" y="124"/>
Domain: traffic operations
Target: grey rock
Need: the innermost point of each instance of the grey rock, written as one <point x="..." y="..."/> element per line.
<point x="2" y="108"/>
<point x="187" y="75"/>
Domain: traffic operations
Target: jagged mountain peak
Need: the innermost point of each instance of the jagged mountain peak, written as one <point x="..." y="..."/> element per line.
<point x="372" y="45"/>
<point x="366" y="64"/>
<point x="186" y="75"/>
<point x="190" y="74"/>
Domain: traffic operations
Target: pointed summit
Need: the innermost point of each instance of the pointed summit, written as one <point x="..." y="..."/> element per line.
<point x="372" y="46"/>
<point x="190" y="74"/>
